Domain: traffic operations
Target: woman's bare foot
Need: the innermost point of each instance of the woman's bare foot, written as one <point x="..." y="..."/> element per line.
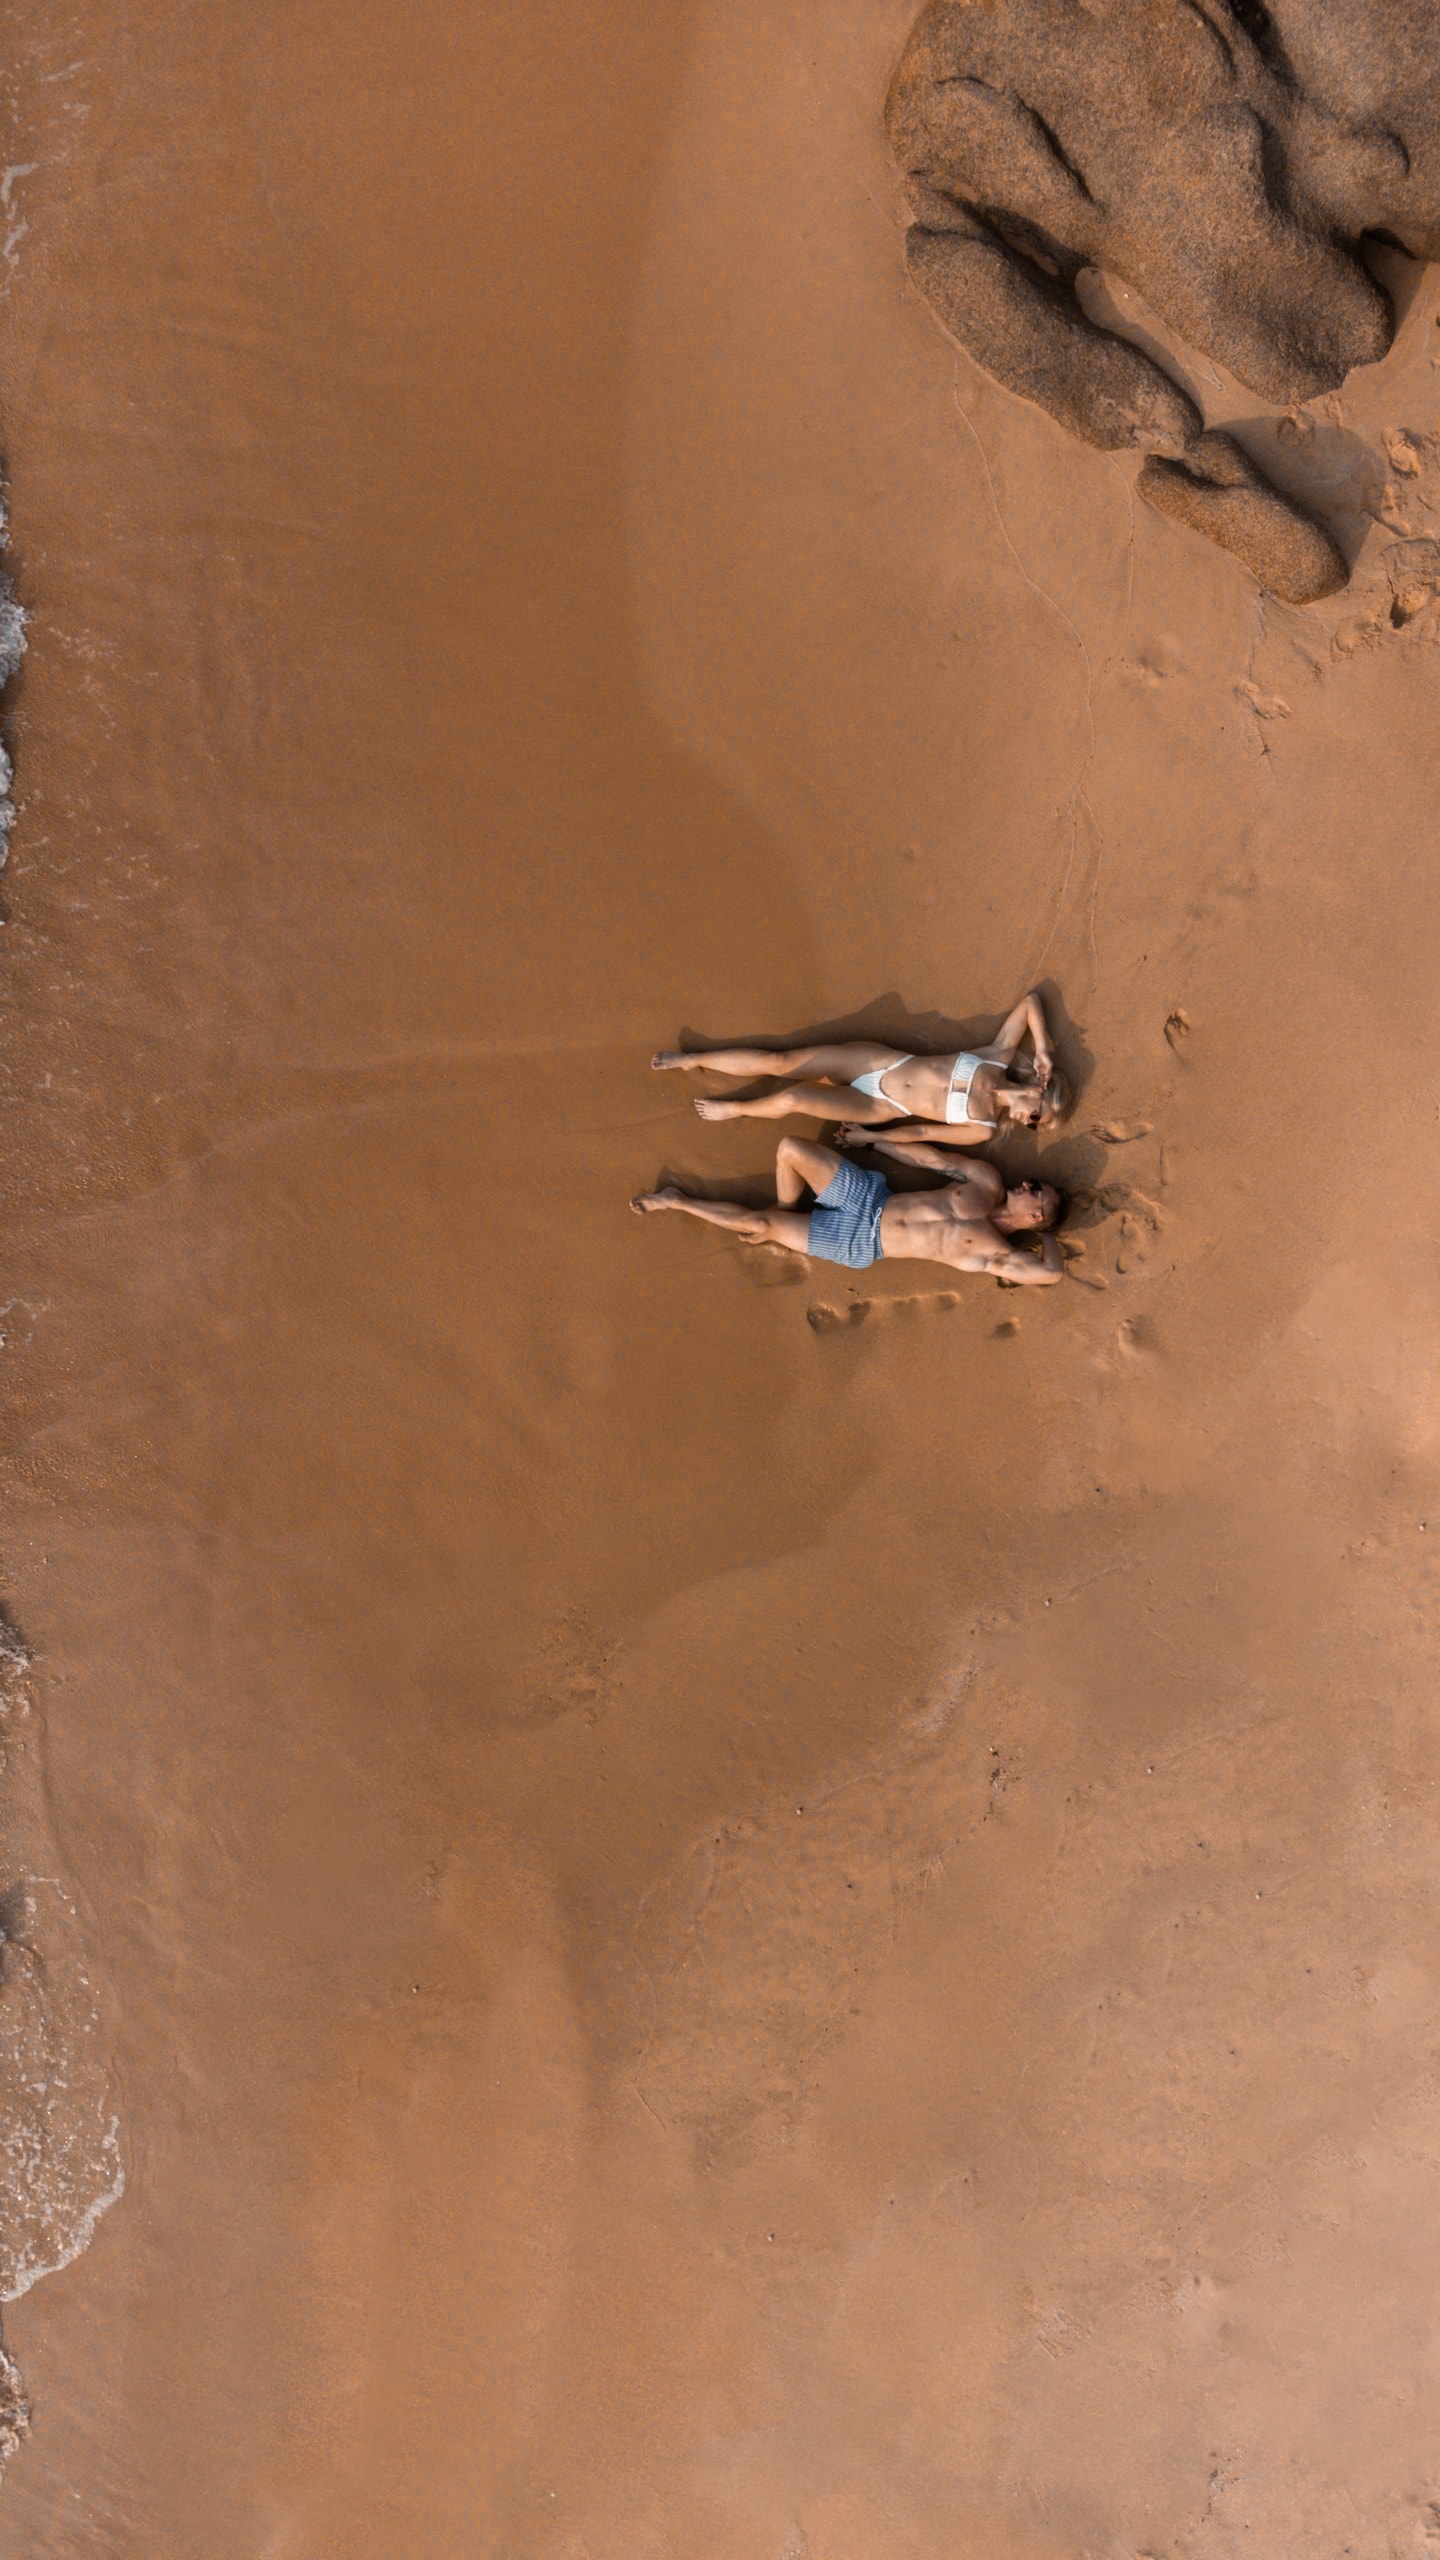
<point x="645" y="1203"/>
<point x="711" y="1110"/>
<point x="677" y="1058"/>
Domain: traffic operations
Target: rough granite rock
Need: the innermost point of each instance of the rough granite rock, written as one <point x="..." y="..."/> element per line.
<point x="1218" y="490"/>
<point x="1224" y="159"/>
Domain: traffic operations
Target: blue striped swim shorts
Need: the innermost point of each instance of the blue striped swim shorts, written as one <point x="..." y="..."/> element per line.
<point x="845" y="1221"/>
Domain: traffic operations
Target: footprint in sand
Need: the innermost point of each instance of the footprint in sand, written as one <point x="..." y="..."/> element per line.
<point x="1137" y="1206"/>
<point x="1413" y="569"/>
<point x="826" y="1319"/>
<point x="769" y="1266"/>
<point x="823" y="1319"/>
<point x="1404" y="451"/>
<point x="1266" y="706"/>
<point x="1177" y="1027"/>
<point x="1135" y="1238"/>
<point x="572" y="1672"/>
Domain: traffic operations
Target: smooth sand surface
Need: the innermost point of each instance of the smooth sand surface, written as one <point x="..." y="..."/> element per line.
<point x="732" y="1911"/>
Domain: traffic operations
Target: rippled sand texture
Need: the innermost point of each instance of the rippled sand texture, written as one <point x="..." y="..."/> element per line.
<point x="725" y="1911"/>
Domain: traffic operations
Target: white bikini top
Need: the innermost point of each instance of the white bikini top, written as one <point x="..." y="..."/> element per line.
<point x="957" y="1100"/>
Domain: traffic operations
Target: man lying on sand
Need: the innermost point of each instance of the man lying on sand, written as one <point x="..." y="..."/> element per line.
<point x="856" y="1218"/>
<point x="959" y="1098"/>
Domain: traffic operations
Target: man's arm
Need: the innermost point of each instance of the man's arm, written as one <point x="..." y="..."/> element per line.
<point x="1026" y="1271"/>
<point x="982" y="1182"/>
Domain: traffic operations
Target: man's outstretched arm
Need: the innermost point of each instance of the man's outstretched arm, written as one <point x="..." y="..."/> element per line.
<point x="982" y="1183"/>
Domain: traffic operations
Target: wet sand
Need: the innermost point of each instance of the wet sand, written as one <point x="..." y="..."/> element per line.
<point x="726" y="1910"/>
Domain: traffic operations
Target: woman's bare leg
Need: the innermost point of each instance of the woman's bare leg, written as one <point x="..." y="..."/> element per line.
<point x="805" y="1102"/>
<point x="840" y="1060"/>
<point x="752" y="1226"/>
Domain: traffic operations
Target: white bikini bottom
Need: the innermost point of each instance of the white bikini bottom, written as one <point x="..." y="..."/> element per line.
<point x="957" y="1100"/>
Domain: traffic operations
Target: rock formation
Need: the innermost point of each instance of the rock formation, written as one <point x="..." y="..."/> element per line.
<point x="1225" y="160"/>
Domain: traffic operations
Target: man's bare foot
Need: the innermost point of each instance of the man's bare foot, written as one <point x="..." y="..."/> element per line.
<point x="711" y="1110"/>
<point x="645" y="1203"/>
<point x="676" y="1058"/>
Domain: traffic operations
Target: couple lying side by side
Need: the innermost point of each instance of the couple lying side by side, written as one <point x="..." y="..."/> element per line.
<point x="957" y="1100"/>
<point x="970" y="1223"/>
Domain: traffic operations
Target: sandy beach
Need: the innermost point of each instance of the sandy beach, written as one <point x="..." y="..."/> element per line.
<point x="671" y="1903"/>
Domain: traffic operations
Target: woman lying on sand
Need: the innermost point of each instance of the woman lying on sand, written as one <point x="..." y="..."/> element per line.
<point x="959" y="1099"/>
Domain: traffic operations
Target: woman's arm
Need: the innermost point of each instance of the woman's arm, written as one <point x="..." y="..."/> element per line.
<point x="930" y="1159"/>
<point x="919" y="1133"/>
<point x="1027" y="1015"/>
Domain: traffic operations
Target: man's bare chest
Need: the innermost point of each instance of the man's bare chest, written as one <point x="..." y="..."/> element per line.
<point x="931" y="1229"/>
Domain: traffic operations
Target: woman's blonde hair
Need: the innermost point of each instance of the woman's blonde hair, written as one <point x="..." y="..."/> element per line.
<point x="1056" y="1099"/>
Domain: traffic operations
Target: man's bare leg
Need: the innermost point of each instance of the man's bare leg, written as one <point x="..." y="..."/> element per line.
<point x="752" y="1226"/>
<point x="802" y="1165"/>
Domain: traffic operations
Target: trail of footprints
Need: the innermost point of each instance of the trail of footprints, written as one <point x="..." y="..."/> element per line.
<point x="824" y="1318"/>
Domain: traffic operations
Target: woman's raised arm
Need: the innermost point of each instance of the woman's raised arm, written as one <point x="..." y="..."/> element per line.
<point x="1027" y="1015"/>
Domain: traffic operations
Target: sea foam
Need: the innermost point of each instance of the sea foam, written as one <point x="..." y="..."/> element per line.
<point x="60" y="2159"/>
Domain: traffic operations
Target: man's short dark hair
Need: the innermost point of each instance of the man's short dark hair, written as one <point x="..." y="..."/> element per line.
<point x="1063" y="1205"/>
